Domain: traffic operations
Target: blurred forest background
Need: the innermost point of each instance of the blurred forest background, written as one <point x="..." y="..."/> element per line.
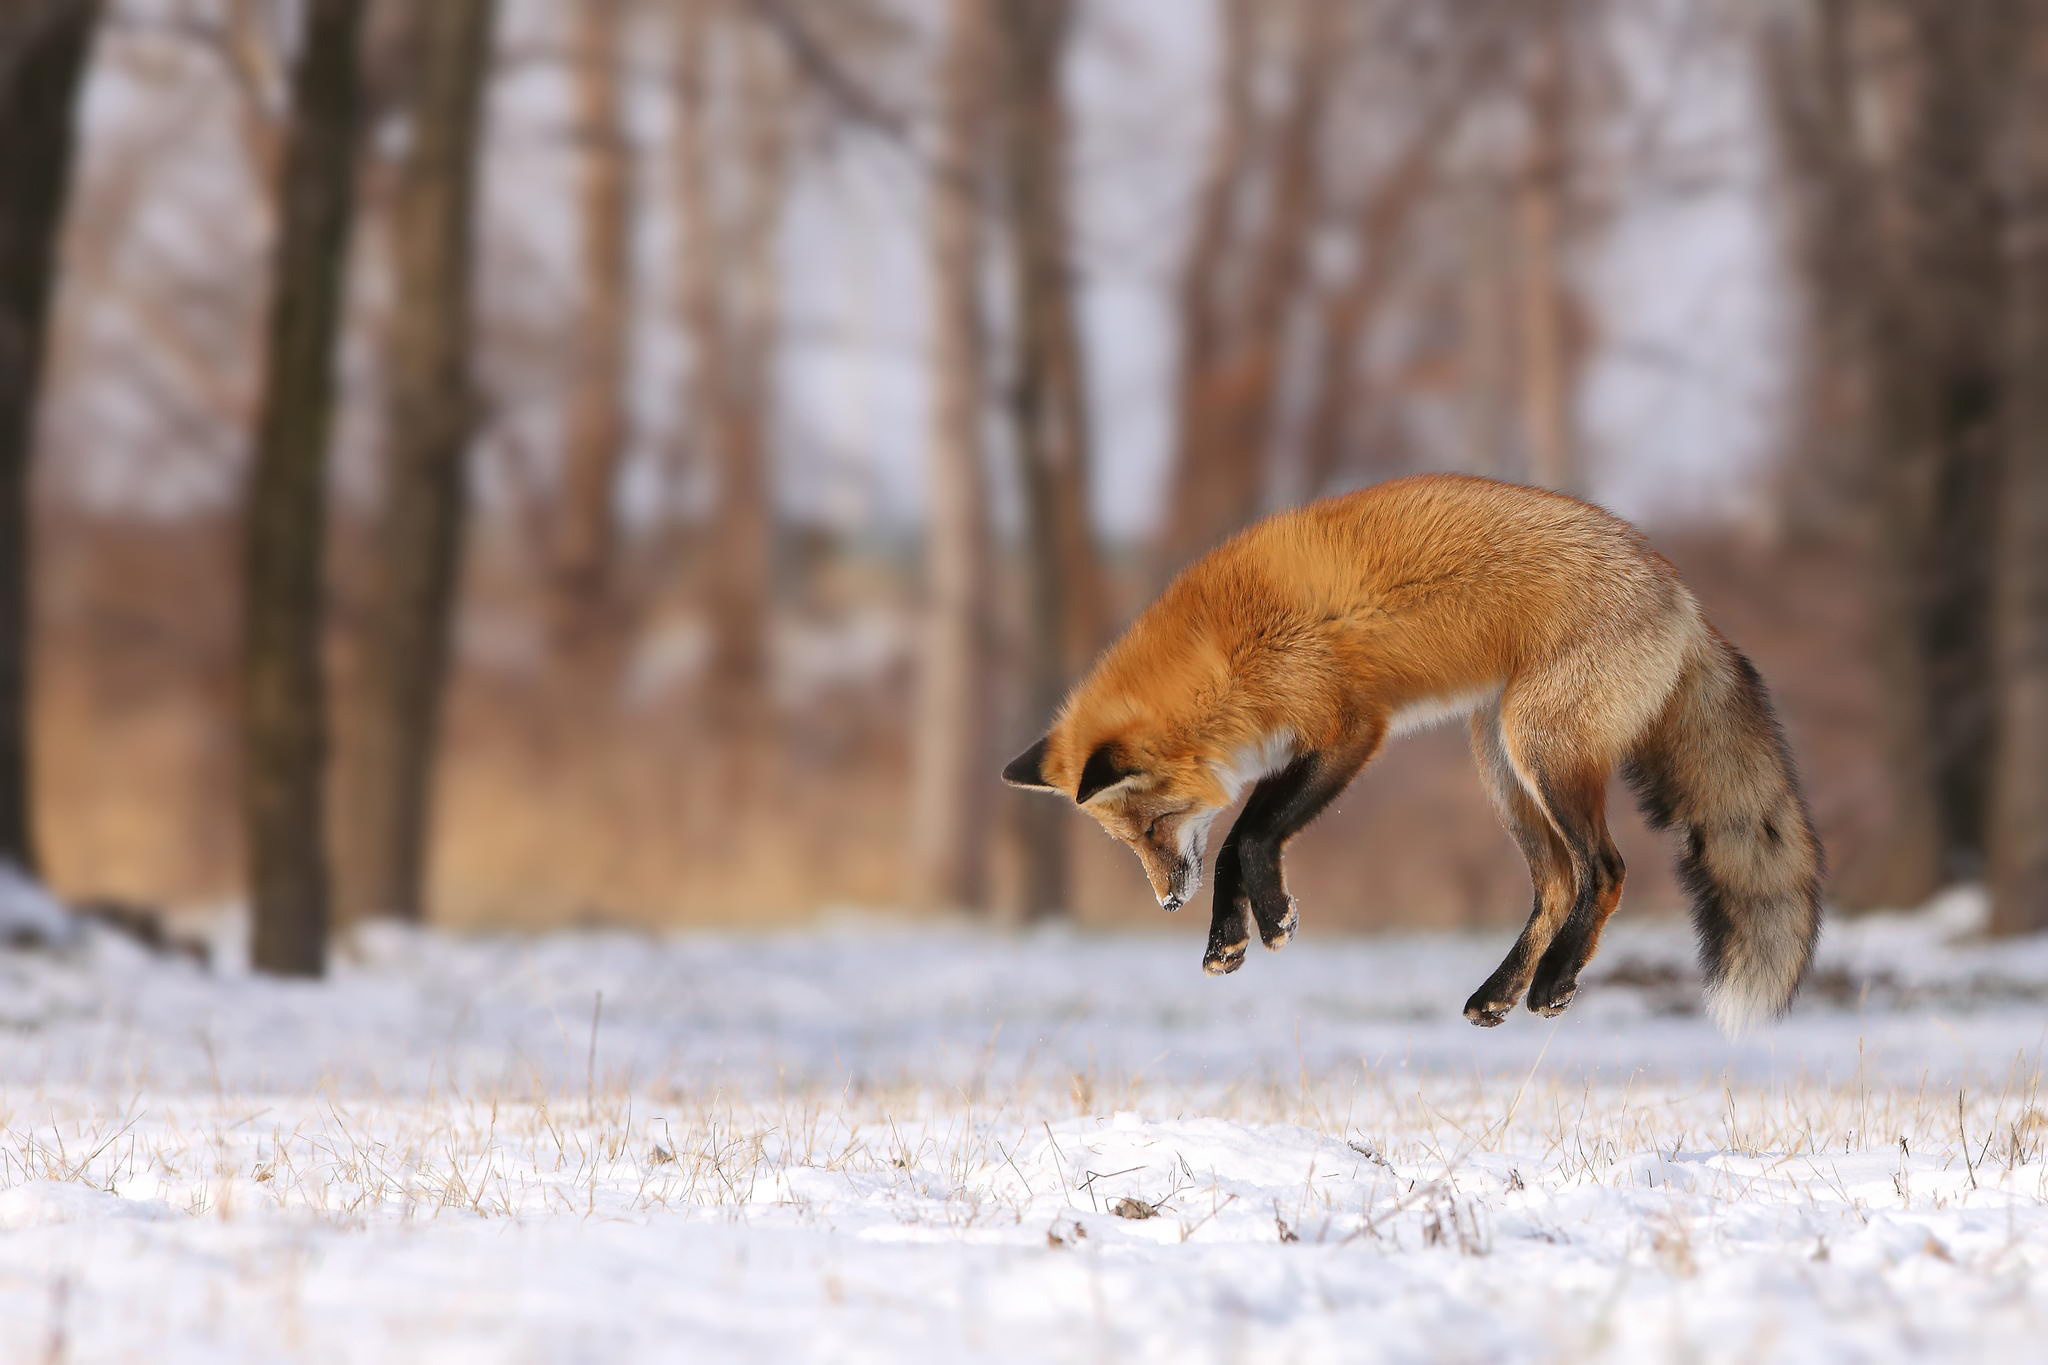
<point x="650" y="461"/>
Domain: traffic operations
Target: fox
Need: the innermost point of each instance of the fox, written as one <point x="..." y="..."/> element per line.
<point x="1276" y="666"/>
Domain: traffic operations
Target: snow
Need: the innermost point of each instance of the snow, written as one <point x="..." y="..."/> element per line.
<point x="30" y="915"/>
<point x="882" y="1141"/>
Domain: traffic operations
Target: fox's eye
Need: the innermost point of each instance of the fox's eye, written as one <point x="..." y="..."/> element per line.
<point x="1152" y="830"/>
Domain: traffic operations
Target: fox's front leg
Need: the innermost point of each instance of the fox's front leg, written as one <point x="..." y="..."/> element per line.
<point x="1229" y="917"/>
<point x="1249" y="880"/>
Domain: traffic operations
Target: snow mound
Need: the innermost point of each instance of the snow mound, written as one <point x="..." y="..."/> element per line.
<point x="29" y="915"/>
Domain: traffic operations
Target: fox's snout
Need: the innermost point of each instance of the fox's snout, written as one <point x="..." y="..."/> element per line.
<point x="1182" y="878"/>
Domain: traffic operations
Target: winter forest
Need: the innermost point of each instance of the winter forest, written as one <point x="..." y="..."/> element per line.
<point x="651" y="462"/>
<point x="551" y="515"/>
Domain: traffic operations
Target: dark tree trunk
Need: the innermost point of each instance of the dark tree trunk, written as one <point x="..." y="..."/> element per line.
<point x="43" y="47"/>
<point x="1810" y="89"/>
<point x="1939" y="382"/>
<point x="282" y="687"/>
<point x="2019" y="826"/>
<point x="430" y="417"/>
<point x="1903" y="244"/>
<point x="1048" y="407"/>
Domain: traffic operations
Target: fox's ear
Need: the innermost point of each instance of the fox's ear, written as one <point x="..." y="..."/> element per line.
<point x="1028" y="768"/>
<point x="1103" y="770"/>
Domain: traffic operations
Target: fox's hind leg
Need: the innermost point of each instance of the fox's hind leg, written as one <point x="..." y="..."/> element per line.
<point x="1550" y="870"/>
<point x="1563" y="770"/>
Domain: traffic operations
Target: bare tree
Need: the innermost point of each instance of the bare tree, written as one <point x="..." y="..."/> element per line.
<point x="43" y="48"/>
<point x="741" y="410"/>
<point x="1048" y="404"/>
<point x="1840" y="183"/>
<point x="430" y="416"/>
<point x="286" y="740"/>
<point x="1381" y="221"/>
<point x="1889" y="115"/>
<point x="1549" y="352"/>
<point x="730" y="209"/>
<point x="595" y="436"/>
<point x="2019" y="828"/>
<point x="1938" y="391"/>
<point x="1808" y="65"/>
<point x="1943" y="392"/>
<point x="1234" y="320"/>
<point x="949" y="777"/>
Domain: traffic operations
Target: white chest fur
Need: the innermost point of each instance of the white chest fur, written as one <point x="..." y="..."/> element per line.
<point x="1251" y="762"/>
<point x="1427" y="711"/>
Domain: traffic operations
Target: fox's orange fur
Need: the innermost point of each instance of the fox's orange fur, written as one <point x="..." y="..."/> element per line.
<point x="1288" y="654"/>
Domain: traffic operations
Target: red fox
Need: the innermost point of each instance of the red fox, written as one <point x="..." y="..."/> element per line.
<point x="1283" y="659"/>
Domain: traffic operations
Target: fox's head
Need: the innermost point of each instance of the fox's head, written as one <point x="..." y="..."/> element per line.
<point x="1157" y="802"/>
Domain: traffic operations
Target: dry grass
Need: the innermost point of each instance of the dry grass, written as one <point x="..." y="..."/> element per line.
<point x="1434" y="1162"/>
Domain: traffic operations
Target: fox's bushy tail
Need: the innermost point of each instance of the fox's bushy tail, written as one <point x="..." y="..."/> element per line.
<point x="1715" y="766"/>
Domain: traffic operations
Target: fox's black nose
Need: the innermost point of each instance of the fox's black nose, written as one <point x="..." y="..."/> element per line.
<point x="1170" y="903"/>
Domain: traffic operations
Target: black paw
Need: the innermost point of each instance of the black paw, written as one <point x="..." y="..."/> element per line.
<point x="1485" y="1010"/>
<point x="1224" y="958"/>
<point x="1552" y="998"/>
<point x="1275" y="930"/>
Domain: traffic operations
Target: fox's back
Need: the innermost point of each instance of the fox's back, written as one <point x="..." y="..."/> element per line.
<point x="1423" y="586"/>
<point x="1433" y="546"/>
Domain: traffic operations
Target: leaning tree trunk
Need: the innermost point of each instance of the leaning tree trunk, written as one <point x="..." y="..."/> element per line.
<point x="2019" y="825"/>
<point x="430" y="418"/>
<point x="285" y="701"/>
<point x="949" y="767"/>
<point x="43" y="46"/>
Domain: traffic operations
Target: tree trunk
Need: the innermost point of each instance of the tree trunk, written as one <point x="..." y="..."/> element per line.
<point x="595" y="435"/>
<point x="43" y="49"/>
<point x="1349" y="312"/>
<point x="1487" y="352"/>
<point x="1937" y="374"/>
<point x="430" y="417"/>
<point x="1862" y="394"/>
<point x="2019" y="826"/>
<point x="1202" y="302"/>
<point x="1048" y="407"/>
<point x="1549" y="359"/>
<point x="283" y="692"/>
<point x="950" y="764"/>
<point x="1810" y="92"/>
<point x="1233" y="336"/>
<point x="740" y="410"/>
<point x="1903" y="243"/>
<point x="731" y="315"/>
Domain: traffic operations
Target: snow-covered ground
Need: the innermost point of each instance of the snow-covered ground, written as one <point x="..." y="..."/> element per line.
<point x="880" y="1142"/>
